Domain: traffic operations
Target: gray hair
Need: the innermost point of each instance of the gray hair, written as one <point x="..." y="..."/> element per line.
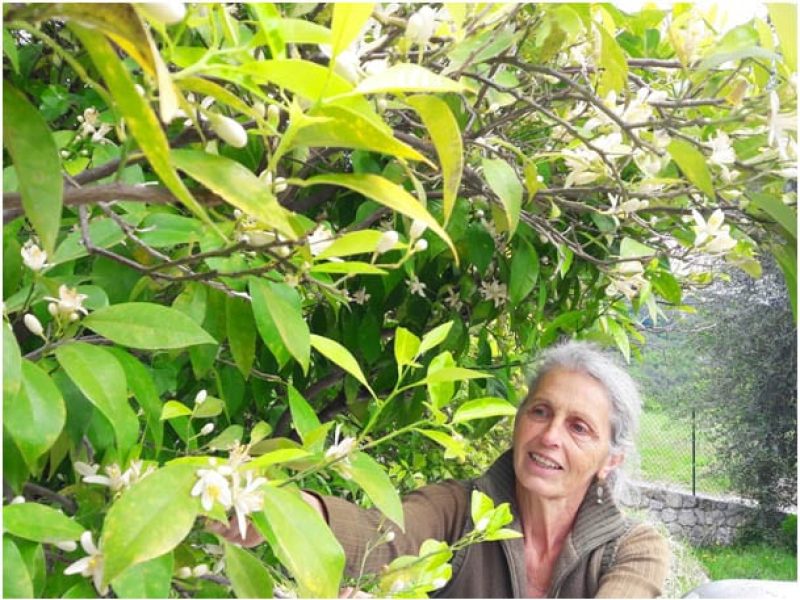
<point x="626" y="404"/>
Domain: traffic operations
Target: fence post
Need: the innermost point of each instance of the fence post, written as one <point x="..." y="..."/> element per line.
<point x="694" y="462"/>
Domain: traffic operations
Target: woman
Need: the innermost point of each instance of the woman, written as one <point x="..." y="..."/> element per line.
<point x="570" y="436"/>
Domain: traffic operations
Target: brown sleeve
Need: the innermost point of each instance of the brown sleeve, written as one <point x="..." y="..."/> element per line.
<point x="434" y="511"/>
<point x="640" y="568"/>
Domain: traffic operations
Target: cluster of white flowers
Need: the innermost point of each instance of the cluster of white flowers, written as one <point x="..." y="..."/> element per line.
<point x="69" y="304"/>
<point x="494" y="291"/>
<point x="723" y="155"/>
<point x="254" y="233"/>
<point x="320" y="239"/>
<point x="34" y="257"/>
<point x="627" y="278"/>
<point x="114" y="479"/>
<point x="712" y="236"/>
<point x="624" y="209"/>
<point x="90" y="565"/>
<point x="340" y="448"/>
<point x="276" y="185"/>
<point x="225" y="485"/>
<point x="587" y="166"/>
<point x="90" y="126"/>
<point x="415" y="286"/>
<point x="780" y="124"/>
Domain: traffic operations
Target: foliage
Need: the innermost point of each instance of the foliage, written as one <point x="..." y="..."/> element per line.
<point x="752" y="561"/>
<point x="249" y="248"/>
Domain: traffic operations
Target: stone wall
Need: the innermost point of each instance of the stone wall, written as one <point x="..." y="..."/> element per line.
<point x="700" y="519"/>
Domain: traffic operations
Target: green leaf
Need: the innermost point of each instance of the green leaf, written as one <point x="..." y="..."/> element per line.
<point x="453" y="374"/>
<point x="282" y="455"/>
<point x="249" y="577"/>
<point x="779" y="212"/>
<point x="348" y="268"/>
<point x="453" y="448"/>
<point x="504" y="182"/>
<point x="302" y="541"/>
<point x="352" y="242"/>
<point x="208" y="409"/>
<point x="372" y="478"/>
<point x="103" y="232"/>
<point x="279" y="319"/>
<point x="693" y="164"/>
<point x="101" y="379"/>
<point x="164" y="229"/>
<point x="228" y="438"/>
<point x="35" y="156"/>
<point x="338" y="354"/>
<point x="141" y="325"/>
<point x="173" y="409"/>
<point x="434" y="337"/>
<point x="304" y="417"/>
<point x="480" y="506"/>
<point x="39" y="523"/>
<point x="484" y="408"/>
<point x="441" y="393"/>
<point x="300" y="31"/>
<point x="524" y="271"/>
<point x="10" y="49"/>
<point x="384" y="192"/>
<point x="236" y="185"/>
<point x="151" y="579"/>
<point x="406" y="346"/>
<point x="12" y="365"/>
<point x="787" y="259"/>
<point x="140" y="120"/>
<point x="342" y="127"/>
<point x="36" y="416"/>
<point x="719" y="58"/>
<point x="150" y="519"/>
<point x="17" y="581"/>
<point x="667" y="286"/>
<point x="406" y="77"/>
<point x="348" y="21"/>
<point x="620" y="338"/>
<point x="613" y="63"/>
<point x="784" y="18"/>
<point x="242" y="333"/>
<point x="143" y="387"/>
<point x="631" y="248"/>
<point x="442" y="126"/>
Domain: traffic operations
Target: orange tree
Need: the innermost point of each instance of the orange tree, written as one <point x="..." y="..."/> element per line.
<point x="254" y="247"/>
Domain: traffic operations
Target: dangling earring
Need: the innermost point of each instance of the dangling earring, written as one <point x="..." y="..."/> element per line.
<point x="600" y="490"/>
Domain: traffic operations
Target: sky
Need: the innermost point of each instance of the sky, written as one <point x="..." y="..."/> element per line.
<point x="732" y="13"/>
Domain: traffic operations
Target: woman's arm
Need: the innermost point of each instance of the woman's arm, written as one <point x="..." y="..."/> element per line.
<point x="640" y="567"/>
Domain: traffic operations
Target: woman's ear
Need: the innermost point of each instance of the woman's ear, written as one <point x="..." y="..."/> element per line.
<point x="612" y="462"/>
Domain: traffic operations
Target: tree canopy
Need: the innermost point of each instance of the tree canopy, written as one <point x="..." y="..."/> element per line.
<point x="254" y="247"/>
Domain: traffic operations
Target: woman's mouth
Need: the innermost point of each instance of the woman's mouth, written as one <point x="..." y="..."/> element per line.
<point x="544" y="462"/>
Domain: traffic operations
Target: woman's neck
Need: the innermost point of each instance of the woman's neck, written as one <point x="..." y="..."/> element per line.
<point x="546" y="522"/>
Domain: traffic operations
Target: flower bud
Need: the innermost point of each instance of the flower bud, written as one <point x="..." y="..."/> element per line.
<point x="387" y="241"/>
<point x="280" y="185"/>
<point x="167" y="13"/>
<point x="266" y="177"/>
<point x="200" y="397"/>
<point x="273" y="115"/>
<point x="207" y="428"/>
<point x="18" y="500"/>
<point x="52" y="308"/>
<point x="417" y="229"/>
<point x="33" y="324"/>
<point x="421" y="246"/>
<point x="200" y="570"/>
<point x="67" y="546"/>
<point x="390" y="536"/>
<point x="184" y="572"/>
<point x="229" y="130"/>
<point x="139" y="90"/>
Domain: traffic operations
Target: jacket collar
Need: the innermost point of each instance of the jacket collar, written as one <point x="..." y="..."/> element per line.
<point x="595" y="524"/>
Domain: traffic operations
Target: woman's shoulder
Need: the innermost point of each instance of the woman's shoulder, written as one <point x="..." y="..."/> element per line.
<point x="642" y="538"/>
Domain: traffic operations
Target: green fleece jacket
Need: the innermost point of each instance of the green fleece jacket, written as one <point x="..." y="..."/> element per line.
<point x="639" y="555"/>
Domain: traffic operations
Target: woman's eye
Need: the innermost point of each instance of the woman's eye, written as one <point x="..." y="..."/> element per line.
<point x="580" y="428"/>
<point x="539" y="411"/>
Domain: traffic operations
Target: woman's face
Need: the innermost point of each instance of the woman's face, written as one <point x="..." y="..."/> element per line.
<point x="562" y="435"/>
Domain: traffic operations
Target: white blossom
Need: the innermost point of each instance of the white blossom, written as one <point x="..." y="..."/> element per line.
<point x="387" y="241"/>
<point x="453" y="300"/>
<point x="722" y="153"/>
<point x="340" y="448"/>
<point x="18" y="500"/>
<point x="91" y="565"/>
<point x="319" y="240"/>
<point x="206" y="429"/>
<point x="184" y="572"/>
<point x="212" y="486"/>
<point x="421" y="25"/>
<point x="34" y="257"/>
<point x="415" y="286"/>
<point x="494" y="291"/>
<point x="247" y="499"/>
<point x="200" y="570"/>
<point x="67" y="546"/>
<point x="420" y="245"/>
<point x="360" y="296"/>
<point x="200" y="397"/>
<point x="68" y="305"/>
<point x="417" y="229"/>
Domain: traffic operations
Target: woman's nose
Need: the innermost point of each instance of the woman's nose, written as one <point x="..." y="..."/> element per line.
<point x="551" y="436"/>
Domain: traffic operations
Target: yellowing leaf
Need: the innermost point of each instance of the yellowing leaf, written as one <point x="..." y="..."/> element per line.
<point x="384" y="192"/>
<point x="407" y="77"/>
<point x="784" y="19"/>
<point x="446" y="137"/>
<point x="613" y="63"/>
<point x="348" y="21"/>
